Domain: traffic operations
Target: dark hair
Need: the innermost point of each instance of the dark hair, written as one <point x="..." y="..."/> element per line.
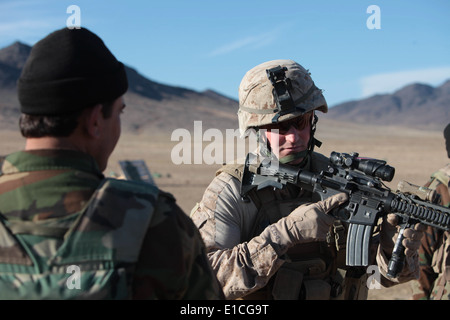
<point x="38" y="126"/>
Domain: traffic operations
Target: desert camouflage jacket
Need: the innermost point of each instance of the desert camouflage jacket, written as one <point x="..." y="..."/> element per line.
<point x="67" y="232"/>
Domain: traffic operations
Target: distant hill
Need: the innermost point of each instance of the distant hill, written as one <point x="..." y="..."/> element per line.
<point x="417" y="106"/>
<point x="151" y="106"/>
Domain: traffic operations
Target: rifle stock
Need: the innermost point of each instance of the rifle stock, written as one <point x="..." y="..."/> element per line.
<point x="369" y="199"/>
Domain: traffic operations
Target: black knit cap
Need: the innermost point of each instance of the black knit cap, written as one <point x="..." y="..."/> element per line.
<point x="67" y="71"/>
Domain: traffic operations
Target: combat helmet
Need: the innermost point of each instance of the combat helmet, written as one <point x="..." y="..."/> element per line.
<point x="277" y="91"/>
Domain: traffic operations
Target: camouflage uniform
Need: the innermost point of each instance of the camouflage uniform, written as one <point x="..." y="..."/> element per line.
<point x="434" y="254"/>
<point x="126" y="239"/>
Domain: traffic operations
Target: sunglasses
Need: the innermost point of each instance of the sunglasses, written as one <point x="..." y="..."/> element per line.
<point x="298" y="123"/>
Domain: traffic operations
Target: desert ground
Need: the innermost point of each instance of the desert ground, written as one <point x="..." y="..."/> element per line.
<point x="415" y="154"/>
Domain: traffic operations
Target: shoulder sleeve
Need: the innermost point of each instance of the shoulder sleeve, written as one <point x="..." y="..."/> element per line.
<point x="223" y="218"/>
<point x="173" y="262"/>
<point x="442" y="175"/>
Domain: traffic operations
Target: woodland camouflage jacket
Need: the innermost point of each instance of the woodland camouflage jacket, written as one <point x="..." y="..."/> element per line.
<point x="434" y="254"/>
<point x="67" y="232"/>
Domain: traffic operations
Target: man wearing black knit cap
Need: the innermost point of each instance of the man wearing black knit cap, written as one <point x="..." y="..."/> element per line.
<point x="66" y="231"/>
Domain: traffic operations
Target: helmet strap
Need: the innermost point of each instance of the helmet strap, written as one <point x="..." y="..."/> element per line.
<point x="313" y="142"/>
<point x="298" y="155"/>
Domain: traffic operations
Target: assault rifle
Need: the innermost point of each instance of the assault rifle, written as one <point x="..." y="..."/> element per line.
<point x="369" y="199"/>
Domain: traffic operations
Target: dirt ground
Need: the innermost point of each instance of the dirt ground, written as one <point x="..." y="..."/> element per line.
<point x="414" y="154"/>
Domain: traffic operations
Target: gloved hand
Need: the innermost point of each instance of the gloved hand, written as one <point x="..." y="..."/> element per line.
<point x="413" y="239"/>
<point x="389" y="234"/>
<point x="306" y="223"/>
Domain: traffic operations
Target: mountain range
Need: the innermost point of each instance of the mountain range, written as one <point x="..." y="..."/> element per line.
<point x="154" y="107"/>
<point x="416" y="105"/>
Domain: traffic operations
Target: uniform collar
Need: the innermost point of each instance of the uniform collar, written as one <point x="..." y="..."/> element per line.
<point x="49" y="159"/>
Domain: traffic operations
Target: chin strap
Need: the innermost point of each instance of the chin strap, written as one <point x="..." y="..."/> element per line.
<point x="294" y="156"/>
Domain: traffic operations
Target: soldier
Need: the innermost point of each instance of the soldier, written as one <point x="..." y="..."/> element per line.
<point x="66" y="231"/>
<point x="277" y="244"/>
<point x="434" y="253"/>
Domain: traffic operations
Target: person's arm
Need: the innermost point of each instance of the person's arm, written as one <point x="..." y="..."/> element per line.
<point x="222" y="219"/>
<point x="423" y="287"/>
<point x="444" y="192"/>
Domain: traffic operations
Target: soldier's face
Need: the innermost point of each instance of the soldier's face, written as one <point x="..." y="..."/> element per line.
<point x="291" y="139"/>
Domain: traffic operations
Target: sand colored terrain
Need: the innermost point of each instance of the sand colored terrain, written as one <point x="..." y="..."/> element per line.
<point x="415" y="155"/>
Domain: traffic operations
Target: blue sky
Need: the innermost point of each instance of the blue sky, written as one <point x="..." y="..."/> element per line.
<point x="202" y="44"/>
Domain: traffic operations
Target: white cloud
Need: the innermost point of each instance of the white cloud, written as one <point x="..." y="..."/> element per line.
<point x="21" y="26"/>
<point x="229" y="47"/>
<point x="26" y="21"/>
<point x="27" y="31"/>
<point x="254" y="42"/>
<point x="391" y="81"/>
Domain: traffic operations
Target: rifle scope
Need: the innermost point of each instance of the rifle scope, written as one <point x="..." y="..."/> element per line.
<point x="373" y="167"/>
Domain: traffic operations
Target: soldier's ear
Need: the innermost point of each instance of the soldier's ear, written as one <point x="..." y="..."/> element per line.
<point x="92" y="121"/>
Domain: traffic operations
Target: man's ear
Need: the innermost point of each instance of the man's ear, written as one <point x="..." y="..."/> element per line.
<point x="93" y="121"/>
